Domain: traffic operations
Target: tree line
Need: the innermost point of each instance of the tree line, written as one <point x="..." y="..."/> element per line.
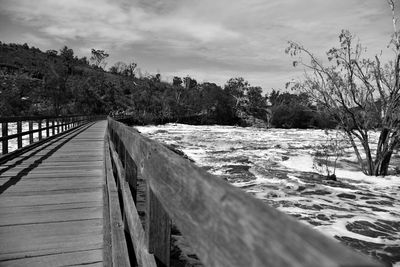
<point x="60" y="83"/>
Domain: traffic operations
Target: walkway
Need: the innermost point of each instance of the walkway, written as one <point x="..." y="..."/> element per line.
<point x="51" y="202"/>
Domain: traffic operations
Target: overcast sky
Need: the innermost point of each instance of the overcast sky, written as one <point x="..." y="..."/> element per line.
<point x="210" y="40"/>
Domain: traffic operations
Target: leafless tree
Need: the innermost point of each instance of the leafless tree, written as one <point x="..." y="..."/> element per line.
<point x="98" y="58"/>
<point x="362" y="94"/>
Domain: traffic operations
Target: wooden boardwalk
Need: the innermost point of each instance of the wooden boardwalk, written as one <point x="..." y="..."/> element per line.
<point x="51" y="202"/>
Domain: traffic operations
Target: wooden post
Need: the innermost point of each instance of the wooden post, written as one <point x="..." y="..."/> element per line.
<point x="47" y="127"/>
<point x="30" y="130"/>
<point x="53" y="127"/>
<point x="121" y="152"/>
<point x="19" y="133"/>
<point x="131" y="174"/>
<point x="158" y="229"/>
<point x="58" y="125"/>
<point x="4" y="133"/>
<point x="40" y="129"/>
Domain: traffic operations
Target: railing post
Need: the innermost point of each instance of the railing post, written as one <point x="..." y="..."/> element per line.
<point x="30" y="130"/>
<point x="131" y="174"/>
<point x="53" y="127"/>
<point x="40" y="129"/>
<point x="58" y="125"/>
<point x="19" y="131"/>
<point x="4" y="133"/>
<point x="158" y="229"/>
<point x="47" y="127"/>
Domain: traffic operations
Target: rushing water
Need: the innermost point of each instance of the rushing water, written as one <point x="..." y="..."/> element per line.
<point x="279" y="167"/>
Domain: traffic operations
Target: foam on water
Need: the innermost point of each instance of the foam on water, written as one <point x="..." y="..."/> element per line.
<point x="276" y="165"/>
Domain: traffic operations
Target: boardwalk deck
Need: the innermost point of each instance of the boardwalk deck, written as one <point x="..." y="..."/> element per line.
<point x="51" y="202"/>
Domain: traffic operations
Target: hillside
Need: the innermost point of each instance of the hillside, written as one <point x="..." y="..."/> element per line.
<point x="38" y="83"/>
<point x="33" y="82"/>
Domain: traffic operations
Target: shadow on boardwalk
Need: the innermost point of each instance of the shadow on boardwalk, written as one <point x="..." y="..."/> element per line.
<point x="15" y="179"/>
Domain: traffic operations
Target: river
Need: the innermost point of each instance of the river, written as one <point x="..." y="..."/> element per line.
<point x="279" y="166"/>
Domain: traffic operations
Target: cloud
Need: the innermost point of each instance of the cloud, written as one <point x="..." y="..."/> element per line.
<point x="109" y="21"/>
<point x="214" y="38"/>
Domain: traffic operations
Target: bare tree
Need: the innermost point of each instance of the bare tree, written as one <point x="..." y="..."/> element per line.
<point x="361" y="94"/>
<point x="98" y="58"/>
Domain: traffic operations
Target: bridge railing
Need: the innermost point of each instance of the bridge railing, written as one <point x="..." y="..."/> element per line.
<point x="223" y="225"/>
<point x="19" y="132"/>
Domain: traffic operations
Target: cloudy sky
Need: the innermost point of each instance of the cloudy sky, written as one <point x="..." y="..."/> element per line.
<point x="210" y="40"/>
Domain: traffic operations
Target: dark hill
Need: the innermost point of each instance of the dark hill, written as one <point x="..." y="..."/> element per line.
<point x="33" y="82"/>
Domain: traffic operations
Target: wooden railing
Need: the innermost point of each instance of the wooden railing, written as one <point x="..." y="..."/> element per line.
<point x="46" y="127"/>
<point x="223" y="225"/>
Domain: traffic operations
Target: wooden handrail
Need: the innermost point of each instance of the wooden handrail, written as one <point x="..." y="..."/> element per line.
<point x="36" y="118"/>
<point x="61" y="124"/>
<point x="224" y="225"/>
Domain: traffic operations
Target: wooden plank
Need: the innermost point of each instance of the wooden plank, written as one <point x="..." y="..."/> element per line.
<point x="41" y="144"/>
<point x="75" y="258"/>
<point x="53" y="208"/>
<point x="26" y="192"/>
<point x="143" y="257"/>
<point x="107" y="242"/>
<point x="61" y="215"/>
<point x="89" y="172"/>
<point x="47" y="127"/>
<point x="53" y="127"/>
<point x="223" y="224"/>
<point x="58" y="236"/>
<point x="158" y="229"/>
<point x="120" y="255"/>
<point x="40" y="129"/>
<point x="56" y="250"/>
<point x="50" y="176"/>
<point x="4" y="133"/>
<point x="9" y="211"/>
<point x="30" y="132"/>
<point x="42" y="184"/>
<point x="131" y="175"/>
<point x="32" y="200"/>
<point x="19" y="131"/>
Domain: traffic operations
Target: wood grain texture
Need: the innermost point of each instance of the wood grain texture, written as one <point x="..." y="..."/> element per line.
<point x="224" y="225"/>
<point x="119" y="248"/>
<point x="4" y="133"/>
<point x="51" y="201"/>
<point x="131" y="175"/>
<point x="136" y="232"/>
<point x="75" y="258"/>
<point x="158" y="229"/>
